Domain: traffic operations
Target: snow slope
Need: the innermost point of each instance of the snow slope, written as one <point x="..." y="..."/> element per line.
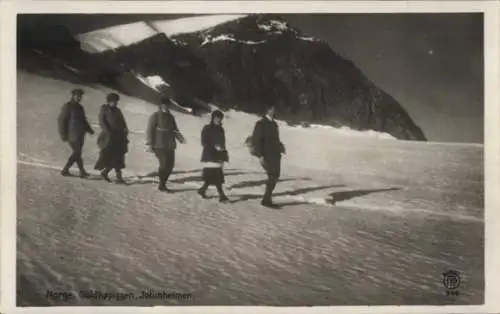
<point x="363" y="221"/>
<point x="115" y="36"/>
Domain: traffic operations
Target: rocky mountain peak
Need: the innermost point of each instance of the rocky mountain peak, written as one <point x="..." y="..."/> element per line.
<point x="245" y="64"/>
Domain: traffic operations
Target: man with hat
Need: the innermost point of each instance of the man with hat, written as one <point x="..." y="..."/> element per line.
<point x="161" y="136"/>
<point x="73" y="125"/>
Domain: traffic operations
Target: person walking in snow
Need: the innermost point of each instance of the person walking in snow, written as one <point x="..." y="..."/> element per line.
<point x="73" y="125"/>
<point x="214" y="155"/>
<point x="161" y="136"/>
<point x="113" y="139"/>
<point x="268" y="147"/>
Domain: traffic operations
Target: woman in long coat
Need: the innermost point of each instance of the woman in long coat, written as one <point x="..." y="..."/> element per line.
<point x="214" y="155"/>
<point x="113" y="140"/>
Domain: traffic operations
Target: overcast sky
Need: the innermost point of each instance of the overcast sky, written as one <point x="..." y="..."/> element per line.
<point x="431" y="63"/>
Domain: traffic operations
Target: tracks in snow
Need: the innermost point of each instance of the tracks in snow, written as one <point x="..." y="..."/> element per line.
<point x="240" y="192"/>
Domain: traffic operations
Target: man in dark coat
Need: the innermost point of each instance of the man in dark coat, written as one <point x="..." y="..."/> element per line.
<point x="161" y="136"/>
<point x="268" y="147"/>
<point x="113" y="139"/>
<point x="73" y="126"/>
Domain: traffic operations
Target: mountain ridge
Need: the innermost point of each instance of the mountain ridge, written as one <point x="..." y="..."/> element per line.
<point x="245" y="64"/>
<point x="296" y="62"/>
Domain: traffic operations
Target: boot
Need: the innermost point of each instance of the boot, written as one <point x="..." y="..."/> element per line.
<point x="270" y="185"/>
<point x="267" y="202"/>
<point x="65" y="173"/>
<point x="203" y="190"/>
<point x="65" y="170"/>
<point x="162" y="185"/>
<point x="222" y="197"/>
<point x="83" y="174"/>
<point x="119" y="178"/>
<point x="104" y="175"/>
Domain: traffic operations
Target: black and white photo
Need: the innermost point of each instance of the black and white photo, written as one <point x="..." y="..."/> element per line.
<point x="250" y="159"/>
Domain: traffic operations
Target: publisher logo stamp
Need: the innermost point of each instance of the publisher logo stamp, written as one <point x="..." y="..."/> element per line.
<point x="452" y="281"/>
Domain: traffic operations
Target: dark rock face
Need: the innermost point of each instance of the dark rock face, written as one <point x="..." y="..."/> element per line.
<point x="158" y="55"/>
<point x="261" y="59"/>
<point x="242" y="64"/>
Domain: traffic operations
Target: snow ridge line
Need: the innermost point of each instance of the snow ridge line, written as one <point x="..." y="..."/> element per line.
<point x="242" y="146"/>
<point x="31" y="158"/>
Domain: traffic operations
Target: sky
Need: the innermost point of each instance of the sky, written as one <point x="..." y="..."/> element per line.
<point x="432" y="64"/>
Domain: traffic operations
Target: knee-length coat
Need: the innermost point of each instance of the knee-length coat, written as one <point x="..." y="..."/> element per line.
<point x="114" y="133"/>
<point x="267" y="144"/>
<point x="213" y="136"/>
<point x="72" y="122"/>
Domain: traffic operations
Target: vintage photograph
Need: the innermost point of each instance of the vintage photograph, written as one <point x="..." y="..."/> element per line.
<point x="250" y="159"/>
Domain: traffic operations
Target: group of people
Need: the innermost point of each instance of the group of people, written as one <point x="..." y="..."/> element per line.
<point x="162" y="135"/>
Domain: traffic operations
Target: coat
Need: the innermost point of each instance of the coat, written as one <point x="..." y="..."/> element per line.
<point x="267" y="144"/>
<point x="114" y="134"/>
<point x="72" y="122"/>
<point x="211" y="136"/>
<point x="162" y="131"/>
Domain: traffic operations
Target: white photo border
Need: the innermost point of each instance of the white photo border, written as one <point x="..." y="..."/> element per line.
<point x="8" y="139"/>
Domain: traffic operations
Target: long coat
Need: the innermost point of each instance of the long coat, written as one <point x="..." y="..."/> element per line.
<point x="162" y="131"/>
<point x="114" y="134"/>
<point x="72" y="122"/>
<point x="267" y="144"/>
<point x="213" y="135"/>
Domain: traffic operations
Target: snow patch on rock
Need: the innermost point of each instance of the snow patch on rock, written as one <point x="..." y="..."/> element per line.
<point x="275" y="26"/>
<point x="153" y="81"/>
<point x="211" y="40"/>
<point x="308" y="38"/>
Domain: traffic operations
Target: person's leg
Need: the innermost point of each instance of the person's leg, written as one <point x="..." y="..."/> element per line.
<point x="270" y="185"/>
<point x="219" y="180"/>
<point x="169" y="163"/>
<point x="119" y="165"/>
<point x="162" y="165"/>
<point x="119" y="176"/>
<point x="103" y="164"/>
<point x="79" y="159"/>
<point x="71" y="159"/>
<point x="273" y="170"/>
<point x="104" y="174"/>
<point x="222" y="195"/>
<point x="203" y="189"/>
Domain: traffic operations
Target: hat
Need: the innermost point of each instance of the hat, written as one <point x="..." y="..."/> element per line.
<point x="77" y="91"/>
<point x="113" y="97"/>
<point x="217" y="114"/>
<point x="268" y="107"/>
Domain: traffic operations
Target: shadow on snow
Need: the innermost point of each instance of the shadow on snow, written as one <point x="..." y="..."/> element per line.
<point x="247" y="184"/>
<point x="347" y="195"/>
